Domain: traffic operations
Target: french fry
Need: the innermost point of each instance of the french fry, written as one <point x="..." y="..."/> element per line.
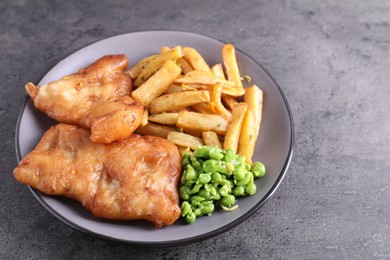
<point x="182" y="109"/>
<point x="194" y="58"/>
<point x="170" y="102"/>
<point x="173" y="88"/>
<point x="235" y="92"/>
<point x="216" y="99"/>
<point x="234" y="128"/>
<point x="192" y="132"/>
<point x="157" y="84"/>
<point x="136" y="69"/>
<point x="185" y="140"/>
<point x="183" y="91"/>
<point x="164" y="118"/>
<point x="164" y="49"/>
<point x="145" y="118"/>
<point x="247" y="142"/>
<point x="254" y="98"/>
<point x="230" y="62"/>
<point x="203" y="108"/>
<point x="217" y="70"/>
<point x="226" y="90"/>
<point x="155" y="129"/>
<point x="154" y="64"/>
<point x="203" y="77"/>
<point x="210" y="138"/>
<point x="229" y="101"/>
<point x="184" y="65"/>
<point x="183" y="150"/>
<point x="202" y="122"/>
<point x="195" y="86"/>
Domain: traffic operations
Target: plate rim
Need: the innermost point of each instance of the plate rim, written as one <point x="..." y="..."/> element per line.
<point x="176" y="242"/>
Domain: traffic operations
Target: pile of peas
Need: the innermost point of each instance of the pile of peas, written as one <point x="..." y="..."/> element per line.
<point x="212" y="176"/>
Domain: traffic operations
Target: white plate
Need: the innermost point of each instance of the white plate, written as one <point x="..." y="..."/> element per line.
<point x="274" y="146"/>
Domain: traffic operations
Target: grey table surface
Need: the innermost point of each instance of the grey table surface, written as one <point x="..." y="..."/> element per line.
<point x="331" y="59"/>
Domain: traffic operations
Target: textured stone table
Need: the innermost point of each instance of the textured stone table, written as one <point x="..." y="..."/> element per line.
<point x="332" y="60"/>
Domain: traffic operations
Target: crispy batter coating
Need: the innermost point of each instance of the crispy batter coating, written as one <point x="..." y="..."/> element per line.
<point x="136" y="178"/>
<point x="96" y="97"/>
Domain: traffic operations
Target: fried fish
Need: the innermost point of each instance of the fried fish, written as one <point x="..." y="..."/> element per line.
<point x="96" y="98"/>
<point x="136" y="178"/>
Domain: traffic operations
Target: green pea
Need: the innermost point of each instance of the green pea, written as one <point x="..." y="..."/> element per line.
<point x="208" y="166"/>
<point x="196" y="188"/>
<point x="226" y="182"/>
<point x="241" y="159"/>
<point x="186" y="159"/>
<point x="239" y="173"/>
<point x="228" y="200"/>
<point x="225" y="172"/>
<point x="183" y="177"/>
<point x="258" y="169"/>
<point x="224" y="190"/>
<point x="190" y="173"/>
<point x="206" y="203"/>
<point x="211" y="174"/>
<point x="238" y="191"/>
<point x="202" y="152"/>
<point x="204" y="178"/>
<point x="213" y="166"/>
<point x="221" y="168"/>
<point x="216" y="153"/>
<point x="247" y="167"/>
<point x="184" y="192"/>
<point x="229" y="167"/>
<point x="197" y="198"/>
<point x="213" y="191"/>
<point x="189" y="183"/>
<point x="216" y="196"/>
<point x="251" y="188"/>
<point x="230" y="155"/>
<point x="246" y="179"/>
<point x="196" y="165"/>
<point x="216" y="177"/>
<point x="190" y="217"/>
<point x="185" y="208"/>
<point x="194" y="204"/>
<point x="198" y="212"/>
<point x="252" y="179"/>
<point x="208" y="209"/>
<point x="204" y="193"/>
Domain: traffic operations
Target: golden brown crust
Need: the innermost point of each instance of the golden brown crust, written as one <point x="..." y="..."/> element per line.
<point x="136" y="178"/>
<point x="72" y="98"/>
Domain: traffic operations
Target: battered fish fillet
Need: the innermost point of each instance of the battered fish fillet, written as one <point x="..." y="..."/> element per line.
<point x="96" y="97"/>
<point x="136" y="178"/>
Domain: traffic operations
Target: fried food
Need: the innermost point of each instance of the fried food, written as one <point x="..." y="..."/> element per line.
<point x="200" y="101"/>
<point x="95" y="97"/>
<point x="136" y="178"/>
<point x="113" y="120"/>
